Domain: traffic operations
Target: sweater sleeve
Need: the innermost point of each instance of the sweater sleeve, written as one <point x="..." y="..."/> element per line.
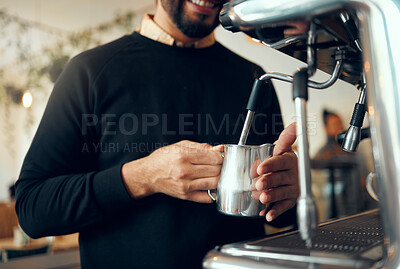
<point x="60" y="189"/>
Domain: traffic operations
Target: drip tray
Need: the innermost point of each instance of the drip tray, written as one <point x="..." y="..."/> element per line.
<point x="351" y="237"/>
<point x="352" y="242"/>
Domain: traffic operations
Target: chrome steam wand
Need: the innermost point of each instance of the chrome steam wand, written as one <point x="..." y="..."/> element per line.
<point x="306" y="208"/>
<point x="255" y="98"/>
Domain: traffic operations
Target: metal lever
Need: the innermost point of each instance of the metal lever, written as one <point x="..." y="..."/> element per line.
<point x="306" y="207"/>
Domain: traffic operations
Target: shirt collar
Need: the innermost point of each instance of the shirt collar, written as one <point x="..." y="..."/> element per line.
<point x="152" y="30"/>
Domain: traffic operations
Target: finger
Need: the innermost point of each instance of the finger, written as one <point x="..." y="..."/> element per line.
<point x="285" y="140"/>
<point x="286" y="161"/>
<point x="279" y="208"/>
<point x="294" y="31"/>
<point x="198" y="196"/>
<point x="202" y="171"/>
<point x="263" y="212"/>
<point x="219" y="148"/>
<point x="299" y="28"/>
<point x="256" y="195"/>
<point x="301" y="25"/>
<point x="279" y="194"/>
<point x="203" y="184"/>
<point x="208" y="157"/>
<point x="274" y="180"/>
<point x="291" y="32"/>
<point x="253" y="184"/>
<point x="253" y="169"/>
<point x="194" y="145"/>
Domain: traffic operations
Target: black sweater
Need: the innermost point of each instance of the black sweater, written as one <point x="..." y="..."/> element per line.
<point x="117" y="103"/>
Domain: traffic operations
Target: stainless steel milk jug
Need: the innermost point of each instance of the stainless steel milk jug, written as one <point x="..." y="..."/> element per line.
<point x="236" y="193"/>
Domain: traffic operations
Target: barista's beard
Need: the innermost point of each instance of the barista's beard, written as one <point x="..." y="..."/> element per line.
<point x="189" y="28"/>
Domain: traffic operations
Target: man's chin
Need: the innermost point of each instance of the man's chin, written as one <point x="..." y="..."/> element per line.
<point x="195" y="30"/>
<point x="196" y="27"/>
<point x="191" y="23"/>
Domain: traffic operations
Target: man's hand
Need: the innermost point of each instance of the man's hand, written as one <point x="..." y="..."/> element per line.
<point x="278" y="181"/>
<point x="298" y="28"/>
<point x="185" y="170"/>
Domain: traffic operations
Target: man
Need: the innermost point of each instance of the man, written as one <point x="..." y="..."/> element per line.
<point x="333" y="126"/>
<point x="114" y="157"/>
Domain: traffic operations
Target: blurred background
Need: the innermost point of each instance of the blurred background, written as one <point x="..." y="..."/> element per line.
<point x="38" y="37"/>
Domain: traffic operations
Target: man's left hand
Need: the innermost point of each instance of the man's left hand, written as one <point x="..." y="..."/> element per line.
<point x="278" y="176"/>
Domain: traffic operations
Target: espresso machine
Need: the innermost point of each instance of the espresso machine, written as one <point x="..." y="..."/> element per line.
<point x="356" y="41"/>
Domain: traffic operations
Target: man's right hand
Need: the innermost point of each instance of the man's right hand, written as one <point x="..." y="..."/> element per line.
<point x="185" y="170"/>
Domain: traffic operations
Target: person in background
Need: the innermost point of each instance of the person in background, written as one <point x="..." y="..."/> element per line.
<point x="349" y="168"/>
<point x="333" y="126"/>
<point x="130" y="140"/>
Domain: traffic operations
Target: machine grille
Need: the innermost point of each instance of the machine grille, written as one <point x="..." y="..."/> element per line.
<point x="351" y="236"/>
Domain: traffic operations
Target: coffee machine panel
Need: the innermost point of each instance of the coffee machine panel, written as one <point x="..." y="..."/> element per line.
<point x="356" y="41"/>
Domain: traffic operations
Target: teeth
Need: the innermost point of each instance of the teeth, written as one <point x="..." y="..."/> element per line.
<point x="202" y="3"/>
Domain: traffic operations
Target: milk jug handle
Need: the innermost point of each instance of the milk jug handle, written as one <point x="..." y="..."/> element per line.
<point x="210" y="193"/>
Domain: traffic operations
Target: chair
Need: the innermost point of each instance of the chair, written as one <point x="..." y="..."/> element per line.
<point x="9" y="254"/>
<point x="8" y="219"/>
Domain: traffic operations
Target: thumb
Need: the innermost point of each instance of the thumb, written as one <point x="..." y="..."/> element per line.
<point x="285" y="140"/>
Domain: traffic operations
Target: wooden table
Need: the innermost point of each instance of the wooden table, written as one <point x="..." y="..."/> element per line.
<point x="65" y="260"/>
<point x="8" y="243"/>
<point x="59" y="243"/>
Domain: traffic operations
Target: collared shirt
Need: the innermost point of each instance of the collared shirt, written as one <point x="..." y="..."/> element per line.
<point x="152" y="30"/>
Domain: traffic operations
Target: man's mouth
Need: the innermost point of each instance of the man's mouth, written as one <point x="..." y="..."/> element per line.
<point x="205" y="7"/>
<point x="203" y="3"/>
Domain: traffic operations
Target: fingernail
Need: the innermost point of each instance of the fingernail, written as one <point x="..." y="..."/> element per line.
<point x="260" y="171"/>
<point x="259" y="186"/>
<point x="267" y="198"/>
